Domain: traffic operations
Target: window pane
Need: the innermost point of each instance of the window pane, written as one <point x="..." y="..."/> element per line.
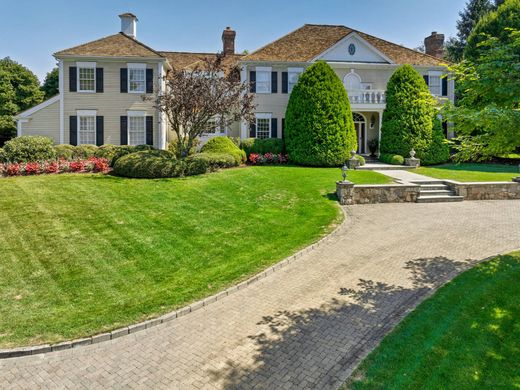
<point x="87" y="130"/>
<point x="263" y="82"/>
<point x="293" y="80"/>
<point x="137" y="80"/>
<point x="435" y="85"/>
<point x="263" y="128"/>
<point x="87" y="79"/>
<point x="136" y="130"/>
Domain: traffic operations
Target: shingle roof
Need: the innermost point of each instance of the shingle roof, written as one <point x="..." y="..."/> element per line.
<point x="310" y="40"/>
<point x="117" y="45"/>
<point x="185" y="60"/>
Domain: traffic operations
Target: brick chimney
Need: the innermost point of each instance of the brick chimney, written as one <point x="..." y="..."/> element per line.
<point x="129" y="24"/>
<point x="228" y="41"/>
<point x="434" y="45"/>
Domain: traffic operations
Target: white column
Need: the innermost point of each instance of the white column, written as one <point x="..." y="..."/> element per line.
<point x="161" y="119"/>
<point x="61" y="88"/>
<point x="244" y="128"/>
<point x="19" y="128"/>
<point x="380" y="113"/>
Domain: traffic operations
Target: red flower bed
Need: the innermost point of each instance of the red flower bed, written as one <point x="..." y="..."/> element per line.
<point x="268" y="158"/>
<point x="93" y="164"/>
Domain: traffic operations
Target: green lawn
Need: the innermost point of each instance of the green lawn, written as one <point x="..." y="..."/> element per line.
<point x="81" y="254"/>
<point x="471" y="172"/>
<point x="466" y="336"/>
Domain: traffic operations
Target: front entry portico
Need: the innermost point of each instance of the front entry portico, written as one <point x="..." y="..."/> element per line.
<point x="360" y="124"/>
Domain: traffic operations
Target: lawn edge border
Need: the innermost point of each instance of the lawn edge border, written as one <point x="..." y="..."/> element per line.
<point x="194" y="306"/>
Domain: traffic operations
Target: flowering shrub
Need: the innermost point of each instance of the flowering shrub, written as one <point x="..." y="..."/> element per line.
<point x="267" y="158"/>
<point x="93" y="164"/>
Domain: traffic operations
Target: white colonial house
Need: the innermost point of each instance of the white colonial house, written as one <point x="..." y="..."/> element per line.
<point x="102" y="83"/>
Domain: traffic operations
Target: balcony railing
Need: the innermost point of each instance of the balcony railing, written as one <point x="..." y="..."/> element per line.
<point x="367" y="96"/>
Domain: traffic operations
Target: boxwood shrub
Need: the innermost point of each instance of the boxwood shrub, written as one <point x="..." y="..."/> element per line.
<point x="214" y="161"/>
<point x="29" y="149"/>
<point x="361" y="159"/>
<point x="64" y="152"/>
<point x="149" y="164"/>
<point x="225" y="145"/>
<point x="84" y="151"/>
<point x="262" y="146"/>
<point x="394" y="159"/>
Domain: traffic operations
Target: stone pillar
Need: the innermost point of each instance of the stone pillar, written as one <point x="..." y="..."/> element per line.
<point x="345" y="192"/>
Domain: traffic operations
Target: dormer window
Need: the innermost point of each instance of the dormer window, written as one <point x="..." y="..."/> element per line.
<point x="86" y="76"/>
<point x="136" y="78"/>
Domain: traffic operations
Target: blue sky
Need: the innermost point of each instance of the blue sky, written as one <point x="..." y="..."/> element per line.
<point x="32" y="30"/>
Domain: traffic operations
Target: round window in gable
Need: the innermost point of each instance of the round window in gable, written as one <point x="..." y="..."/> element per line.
<point x="352" y="49"/>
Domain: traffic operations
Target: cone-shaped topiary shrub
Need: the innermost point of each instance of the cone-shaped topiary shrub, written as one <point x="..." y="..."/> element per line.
<point x="319" y="129"/>
<point x="408" y="118"/>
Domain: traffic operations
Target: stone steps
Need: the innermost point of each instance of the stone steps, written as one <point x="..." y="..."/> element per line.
<point x="436" y="192"/>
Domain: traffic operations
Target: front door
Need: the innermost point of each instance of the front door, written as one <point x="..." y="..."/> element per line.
<point x="361" y="133"/>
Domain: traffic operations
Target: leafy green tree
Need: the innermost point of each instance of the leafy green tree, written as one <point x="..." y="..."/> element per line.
<point x="51" y="83"/>
<point x="494" y="24"/>
<point x="468" y="18"/>
<point x="408" y="117"/>
<point x="19" y="90"/>
<point x="487" y="117"/>
<point x="319" y="129"/>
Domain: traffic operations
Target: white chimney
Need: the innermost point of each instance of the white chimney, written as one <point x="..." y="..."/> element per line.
<point x="128" y="24"/>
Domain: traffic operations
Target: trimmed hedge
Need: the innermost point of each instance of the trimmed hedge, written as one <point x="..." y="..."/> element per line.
<point x="262" y="146"/>
<point x="84" y="151"/>
<point x="361" y="159"/>
<point x="149" y="164"/>
<point x="214" y="161"/>
<point x="64" y="152"/>
<point x="225" y="145"/>
<point x="29" y="149"/>
<point x="394" y="159"/>
<point x="319" y="128"/>
<point x="438" y="151"/>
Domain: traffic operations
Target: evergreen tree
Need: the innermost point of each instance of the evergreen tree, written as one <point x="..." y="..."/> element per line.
<point x="19" y="90"/>
<point x="319" y="129"/>
<point x="51" y="84"/>
<point x="409" y="118"/>
<point x="468" y="18"/>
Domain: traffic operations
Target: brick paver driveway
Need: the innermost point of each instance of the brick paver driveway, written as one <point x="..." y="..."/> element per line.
<point x="306" y="326"/>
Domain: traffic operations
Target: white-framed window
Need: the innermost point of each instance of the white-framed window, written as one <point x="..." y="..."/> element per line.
<point x="435" y="83"/>
<point x="86" y="76"/>
<point x="136" y="78"/>
<point x="263" y="126"/>
<point x="136" y="128"/>
<point x="215" y="127"/>
<point x="263" y="79"/>
<point x="86" y="127"/>
<point x="293" y="74"/>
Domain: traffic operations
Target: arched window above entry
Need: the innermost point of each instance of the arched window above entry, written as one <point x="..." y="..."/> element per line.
<point x="358" y="117"/>
<point x="352" y="81"/>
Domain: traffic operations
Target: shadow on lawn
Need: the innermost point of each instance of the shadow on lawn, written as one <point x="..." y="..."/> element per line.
<point x="319" y="347"/>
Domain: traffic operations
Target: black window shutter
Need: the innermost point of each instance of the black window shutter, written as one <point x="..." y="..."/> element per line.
<point x="252" y="81"/>
<point x="252" y="130"/>
<point x="149" y="80"/>
<point x="445" y="86"/>
<point x="124" y="130"/>
<point x="124" y="80"/>
<point x="149" y="130"/>
<point x="99" y="79"/>
<point x="274" y="128"/>
<point x="283" y="128"/>
<point x="73" y="128"/>
<point x="73" y="77"/>
<point x="100" y="130"/>
<point x="274" y="82"/>
<point x="285" y="82"/>
<point x="427" y="79"/>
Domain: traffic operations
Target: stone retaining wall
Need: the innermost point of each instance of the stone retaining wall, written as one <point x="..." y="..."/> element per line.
<point x="348" y="193"/>
<point x="485" y="191"/>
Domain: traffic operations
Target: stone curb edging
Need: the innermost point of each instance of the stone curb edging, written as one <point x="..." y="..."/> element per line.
<point x="131" y="329"/>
